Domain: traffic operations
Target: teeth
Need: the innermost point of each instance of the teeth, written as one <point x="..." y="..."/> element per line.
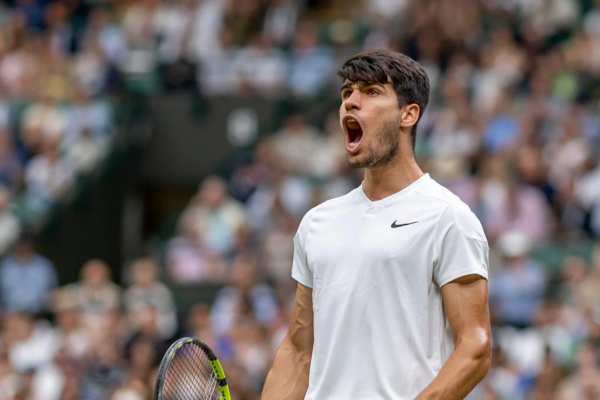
<point x="352" y="124"/>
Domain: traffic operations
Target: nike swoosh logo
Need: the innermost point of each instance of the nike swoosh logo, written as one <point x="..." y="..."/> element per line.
<point x="398" y="226"/>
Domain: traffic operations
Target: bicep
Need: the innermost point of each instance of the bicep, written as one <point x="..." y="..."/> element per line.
<point x="301" y="332"/>
<point x="466" y="305"/>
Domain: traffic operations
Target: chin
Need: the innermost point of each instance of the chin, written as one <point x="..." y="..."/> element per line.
<point x="356" y="161"/>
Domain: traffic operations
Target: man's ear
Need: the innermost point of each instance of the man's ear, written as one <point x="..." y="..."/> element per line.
<point x="409" y="115"/>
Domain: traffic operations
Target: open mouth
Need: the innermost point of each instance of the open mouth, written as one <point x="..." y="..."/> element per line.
<point x="354" y="133"/>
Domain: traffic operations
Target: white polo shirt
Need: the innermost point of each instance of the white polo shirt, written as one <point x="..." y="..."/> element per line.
<point x="376" y="269"/>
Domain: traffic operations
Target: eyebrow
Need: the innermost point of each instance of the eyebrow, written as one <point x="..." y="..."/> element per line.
<point x="361" y="84"/>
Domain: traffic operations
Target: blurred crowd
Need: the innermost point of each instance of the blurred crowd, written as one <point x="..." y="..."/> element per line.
<point x="512" y="128"/>
<point x="55" y="118"/>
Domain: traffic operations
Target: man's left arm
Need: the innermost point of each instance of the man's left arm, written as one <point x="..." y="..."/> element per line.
<point x="465" y="302"/>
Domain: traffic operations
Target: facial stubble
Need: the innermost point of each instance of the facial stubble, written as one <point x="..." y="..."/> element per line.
<point x="384" y="149"/>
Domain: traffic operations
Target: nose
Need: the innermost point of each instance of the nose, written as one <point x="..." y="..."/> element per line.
<point x="353" y="101"/>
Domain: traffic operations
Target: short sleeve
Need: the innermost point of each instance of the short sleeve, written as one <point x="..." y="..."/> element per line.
<point x="461" y="247"/>
<point x="301" y="271"/>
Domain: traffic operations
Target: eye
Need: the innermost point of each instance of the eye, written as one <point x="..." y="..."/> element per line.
<point x="373" y="92"/>
<point x="345" y="94"/>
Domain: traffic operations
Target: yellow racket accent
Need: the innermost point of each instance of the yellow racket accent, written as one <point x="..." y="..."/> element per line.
<point x="225" y="392"/>
<point x="218" y="369"/>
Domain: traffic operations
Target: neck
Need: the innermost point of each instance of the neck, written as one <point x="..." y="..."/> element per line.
<point x="384" y="181"/>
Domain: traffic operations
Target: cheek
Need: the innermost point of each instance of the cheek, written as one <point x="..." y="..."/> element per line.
<point x="383" y="116"/>
<point x="379" y="126"/>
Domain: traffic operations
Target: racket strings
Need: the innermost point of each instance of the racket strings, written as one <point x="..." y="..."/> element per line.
<point x="176" y="387"/>
<point x="207" y="372"/>
<point x="190" y="376"/>
<point x="185" y="384"/>
<point x="199" y="370"/>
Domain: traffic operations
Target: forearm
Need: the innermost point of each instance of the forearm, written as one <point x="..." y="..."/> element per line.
<point x="465" y="368"/>
<point x="288" y="378"/>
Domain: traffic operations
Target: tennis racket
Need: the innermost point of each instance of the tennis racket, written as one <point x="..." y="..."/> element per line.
<point x="190" y="371"/>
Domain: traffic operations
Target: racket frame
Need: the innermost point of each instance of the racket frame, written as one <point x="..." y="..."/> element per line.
<point x="212" y="358"/>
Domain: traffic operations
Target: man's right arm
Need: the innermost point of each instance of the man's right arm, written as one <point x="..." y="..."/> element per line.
<point x="288" y="377"/>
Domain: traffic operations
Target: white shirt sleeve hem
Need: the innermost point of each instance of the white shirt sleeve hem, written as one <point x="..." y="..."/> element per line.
<point x="475" y="270"/>
<point x="301" y="279"/>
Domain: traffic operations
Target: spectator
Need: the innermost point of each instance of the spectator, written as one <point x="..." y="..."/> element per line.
<point x="245" y="294"/>
<point x="216" y="75"/>
<point x="591" y="22"/>
<point x="280" y="21"/>
<point x="277" y="198"/>
<point x="75" y="338"/>
<point x="189" y="260"/>
<point x="277" y="248"/>
<point x="310" y="64"/>
<point x="33" y="13"/>
<point x="521" y="208"/>
<point x="45" y="121"/>
<point x="11" y="383"/>
<point x="138" y="24"/>
<point x="18" y="66"/>
<point x="52" y="73"/>
<point x="503" y="129"/>
<point x="4" y="111"/>
<point x="259" y="68"/>
<point x="215" y="216"/>
<point x="588" y="292"/>
<point x="568" y="152"/>
<point x="198" y="319"/>
<point x="587" y="192"/>
<point x="252" y="350"/>
<point x="141" y="360"/>
<point x="147" y="333"/>
<point x="109" y="35"/>
<point x="95" y="293"/>
<point x="103" y="372"/>
<point x="134" y="390"/>
<point x="48" y="177"/>
<point x="90" y="69"/>
<point x="10" y="228"/>
<point x="207" y="29"/>
<point x="146" y="291"/>
<point x="328" y="152"/>
<point x="33" y="343"/>
<point x="553" y="16"/>
<point x="88" y="114"/>
<point x="502" y="379"/>
<point x="454" y="131"/>
<point x="296" y="139"/>
<point x="244" y="19"/>
<point x="60" y="32"/>
<point x="585" y="380"/>
<point x="86" y="152"/>
<point x="172" y="27"/>
<point x="26" y="279"/>
<point x="11" y="170"/>
<point x="519" y="283"/>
